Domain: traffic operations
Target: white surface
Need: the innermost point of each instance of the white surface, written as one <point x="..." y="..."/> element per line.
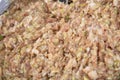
<point x="4" y="4"/>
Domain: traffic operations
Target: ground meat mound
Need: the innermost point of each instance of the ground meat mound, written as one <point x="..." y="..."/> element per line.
<point x="50" y="40"/>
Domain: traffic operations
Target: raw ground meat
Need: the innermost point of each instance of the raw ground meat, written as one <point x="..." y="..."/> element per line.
<point x="50" y="40"/>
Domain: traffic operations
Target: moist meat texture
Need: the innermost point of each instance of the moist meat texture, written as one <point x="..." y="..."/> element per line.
<point x="50" y="40"/>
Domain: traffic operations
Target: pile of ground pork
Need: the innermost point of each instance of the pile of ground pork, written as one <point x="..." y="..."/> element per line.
<point x="50" y="40"/>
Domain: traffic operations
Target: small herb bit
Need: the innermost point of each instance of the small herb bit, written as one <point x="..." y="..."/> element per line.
<point x="1" y="37"/>
<point x="67" y="18"/>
